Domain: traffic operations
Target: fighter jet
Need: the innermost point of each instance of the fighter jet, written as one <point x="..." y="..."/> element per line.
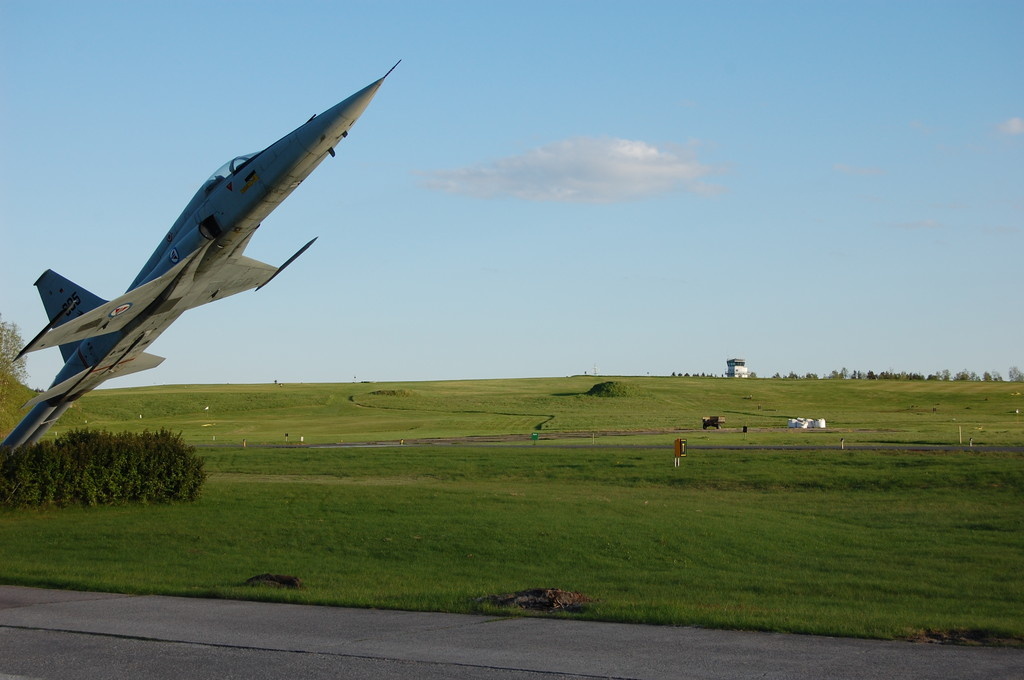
<point x="199" y="260"/>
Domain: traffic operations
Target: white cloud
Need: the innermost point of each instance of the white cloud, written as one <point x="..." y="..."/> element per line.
<point x="581" y="170"/>
<point x="922" y="127"/>
<point x="1002" y="230"/>
<point x="1012" y="126"/>
<point x="855" y="170"/>
<point x="918" y="225"/>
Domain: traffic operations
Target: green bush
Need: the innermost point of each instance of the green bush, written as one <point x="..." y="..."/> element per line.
<point x="90" y="467"/>
<point x="392" y="393"/>
<point x="614" y="388"/>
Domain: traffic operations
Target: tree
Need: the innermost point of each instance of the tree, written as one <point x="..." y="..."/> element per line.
<point x="10" y="345"/>
<point x="1015" y="374"/>
<point x="12" y="376"/>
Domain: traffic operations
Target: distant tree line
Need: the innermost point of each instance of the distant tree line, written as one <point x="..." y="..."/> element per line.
<point x="1015" y="374"/>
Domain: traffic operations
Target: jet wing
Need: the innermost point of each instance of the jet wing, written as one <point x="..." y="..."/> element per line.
<point x="240" y="274"/>
<point x="109" y="317"/>
<point x="141" y="362"/>
<point x="236" y="275"/>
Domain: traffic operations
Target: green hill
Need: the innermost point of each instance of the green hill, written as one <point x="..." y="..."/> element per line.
<point x="859" y="411"/>
<point x="898" y="544"/>
<point x="12" y="395"/>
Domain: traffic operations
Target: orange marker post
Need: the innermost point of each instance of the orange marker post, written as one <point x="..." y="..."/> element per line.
<point x="680" y="449"/>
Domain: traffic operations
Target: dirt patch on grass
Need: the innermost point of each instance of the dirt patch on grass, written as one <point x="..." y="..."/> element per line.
<point x="965" y="636"/>
<point x="275" y="581"/>
<point x="540" y="599"/>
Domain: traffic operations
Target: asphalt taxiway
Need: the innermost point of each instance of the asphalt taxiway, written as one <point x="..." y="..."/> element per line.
<point x="60" y="634"/>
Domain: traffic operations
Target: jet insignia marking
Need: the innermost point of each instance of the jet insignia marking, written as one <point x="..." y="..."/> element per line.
<point x="118" y="311"/>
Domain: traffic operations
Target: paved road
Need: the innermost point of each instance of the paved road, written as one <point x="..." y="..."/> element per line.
<point x="61" y="634"/>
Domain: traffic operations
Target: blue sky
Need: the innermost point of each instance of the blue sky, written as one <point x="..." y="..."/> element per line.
<point x="540" y="188"/>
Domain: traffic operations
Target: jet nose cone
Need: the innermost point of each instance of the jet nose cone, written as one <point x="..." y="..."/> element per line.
<point x="354" y="105"/>
<point x="334" y="123"/>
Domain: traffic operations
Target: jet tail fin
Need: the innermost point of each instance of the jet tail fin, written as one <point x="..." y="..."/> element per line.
<point x="109" y="316"/>
<point x="63" y="301"/>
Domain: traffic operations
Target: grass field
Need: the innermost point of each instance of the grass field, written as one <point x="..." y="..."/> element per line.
<point x="859" y="411"/>
<point x="882" y="544"/>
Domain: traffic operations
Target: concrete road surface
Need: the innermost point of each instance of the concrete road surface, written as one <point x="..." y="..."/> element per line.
<point x="65" y="634"/>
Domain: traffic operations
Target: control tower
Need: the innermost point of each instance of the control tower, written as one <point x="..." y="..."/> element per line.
<point x="736" y="368"/>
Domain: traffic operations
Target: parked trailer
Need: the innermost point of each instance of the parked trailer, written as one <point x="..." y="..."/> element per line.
<point x="712" y="421"/>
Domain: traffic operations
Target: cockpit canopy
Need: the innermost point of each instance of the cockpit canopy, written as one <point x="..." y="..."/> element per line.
<point x="232" y="166"/>
<point x="226" y="170"/>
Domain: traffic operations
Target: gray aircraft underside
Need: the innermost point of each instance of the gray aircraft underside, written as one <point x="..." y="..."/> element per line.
<point x="199" y="260"/>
